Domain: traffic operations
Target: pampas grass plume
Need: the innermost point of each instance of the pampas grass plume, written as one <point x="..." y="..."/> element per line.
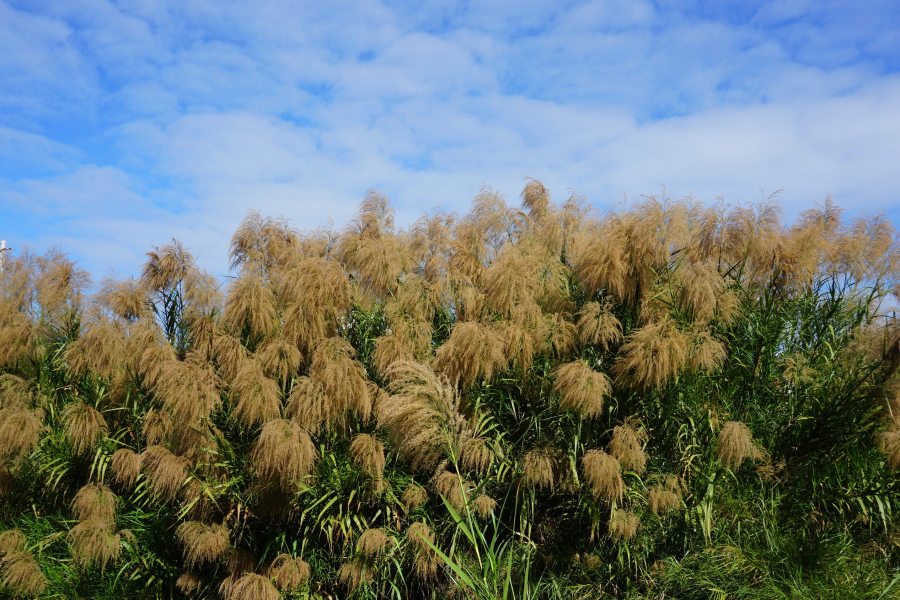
<point x="581" y="388"/>
<point x="84" y="426"/>
<point x="602" y="473"/>
<point x="22" y="575"/>
<point x="203" y="543"/>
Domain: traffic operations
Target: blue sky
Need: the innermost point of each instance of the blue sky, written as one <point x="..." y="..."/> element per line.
<point x="126" y="123"/>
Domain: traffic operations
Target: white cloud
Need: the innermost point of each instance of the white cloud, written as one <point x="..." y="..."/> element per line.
<point x="173" y="119"/>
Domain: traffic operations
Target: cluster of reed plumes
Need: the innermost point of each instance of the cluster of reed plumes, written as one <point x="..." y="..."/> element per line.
<point x="606" y="396"/>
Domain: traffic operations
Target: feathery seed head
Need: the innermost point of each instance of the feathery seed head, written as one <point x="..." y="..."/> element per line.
<point x="203" y="543"/>
<point x="602" y="472"/>
<point x="581" y="388"/>
<point x="476" y="455"/>
<point x="165" y="471"/>
<point x="94" y="542"/>
<point x="240" y="562"/>
<point x="250" y="306"/>
<point x="484" y="506"/>
<point x="373" y="542"/>
<point x="597" y="326"/>
<point x="356" y="572"/>
<point x="289" y="573"/>
<point x="537" y="467"/>
<point x="12" y="541"/>
<point x="454" y="488"/>
<point x="368" y="454"/>
<point x="157" y="426"/>
<point x="22" y="575"/>
<point x="279" y="358"/>
<point x="189" y="389"/>
<point x="188" y="583"/>
<point x="623" y="525"/>
<point x="95" y="501"/>
<point x="425" y="561"/>
<point x="652" y="355"/>
<point x="257" y="398"/>
<point x="84" y="426"/>
<point x="736" y="444"/>
<point x="666" y="497"/>
<point x="20" y="432"/>
<point x="251" y="586"/>
<point x="889" y="444"/>
<point x="284" y="453"/>
<point x="414" y="496"/>
<point x="627" y="446"/>
<point x="472" y="352"/>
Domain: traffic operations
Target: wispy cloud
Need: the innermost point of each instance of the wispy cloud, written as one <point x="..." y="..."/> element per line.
<point x="123" y="124"/>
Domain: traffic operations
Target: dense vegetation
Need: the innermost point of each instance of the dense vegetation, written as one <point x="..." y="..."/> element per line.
<point x="668" y="401"/>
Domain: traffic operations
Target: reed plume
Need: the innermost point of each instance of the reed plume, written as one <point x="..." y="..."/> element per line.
<point x="652" y="355"/>
<point x="284" y="453"/>
<point x="251" y="586"/>
<point x="12" y="541"/>
<point x="189" y="389"/>
<point x="414" y="496"/>
<point x="476" y="454"/>
<point x="666" y="496"/>
<point x="627" y="446"/>
<point x="356" y="572"/>
<point x="22" y="575"/>
<point x="157" y="426"/>
<point x="425" y="561"/>
<point x="602" y="472"/>
<point x="98" y="350"/>
<point x="188" y="583"/>
<point x="289" y="573"/>
<point x="94" y="542"/>
<point x="889" y="444"/>
<point x="84" y="426"/>
<point x="20" y="432"/>
<point x="279" y="359"/>
<point x="454" y="488"/>
<point x="342" y="382"/>
<point x="484" y="506"/>
<point x="257" y="398"/>
<point x="165" y="472"/>
<point x="581" y="388"/>
<point x="126" y="466"/>
<point x="203" y="543"/>
<point x="423" y="415"/>
<point x="95" y="501"/>
<point x="368" y="454"/>
<point x="623" y="525"/>
<point x="473" y="352"/>
<point x="736" y="444"/>
<point x="250" y="306"/>
<point x="598" y="326"/>
<point x="373" y="543"/>
<point x="537" y="468"/>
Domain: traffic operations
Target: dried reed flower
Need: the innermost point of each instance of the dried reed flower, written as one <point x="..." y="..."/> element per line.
<point x="454" y="488"/>
<point x="189" y="389"/>
<point x="262" y="242"/>
<point x="94" y="542"/>
<point x="414" y="496"/>
<point x="511" y="279"/>
<point x="257" y="398"/>
<point x="356" y="572"/>
<point x="342" y="380"/>
<point x="251" y="586"/>
<point x="561" y="334"/>
<point x="423" y="415"/>
<point x="126" y="466"/>
<point x="476" y="454"/>
<point x="389" y="349"/>
<point x="127" y="299"/>
<point x="666" y="497"/>
<point x="16" y="392"/>
<point x="889" y="445"/>
<point x="12" y="541"/>
<point x="230" y="355"/>
<point x="95" y="501"/>
<point x="278" y="358"/>
<point x="623" y="525"/>
<point x="166" y="266"/>
<point x="368" y="454"/>
<point x="425" y="562"/>
<point x="707" y="353"/>
<point x="581" y="388"/>
<point x="250" y="306"/>
<point x="165" y="471"/>
<point x="188" y="583"/>
<point x="22" y="575"/>
<point x="537" y="468"/>
<point x="484" y="506"/>
<point x="99" y="350"/>
<point x="597" y="326"/>
<point x="84" y="426"/>
<point x="520" y="345"/>
<point x="306" y="404"/>
<point x="736" y="444"/>
<point x="472" y="352"/>
<point x="203" y="543"/>
<point x="157" y="426"/>
<point x="289" y="573"/>
<point x="627" y="446"/>
<point x="602" y="472"/>
<point x="652" y="355"/>
<point x="284" y="453"/>
<point x="20" y="432"/>
<point x="373" y="543"/>
<point x="535" y="198"/>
